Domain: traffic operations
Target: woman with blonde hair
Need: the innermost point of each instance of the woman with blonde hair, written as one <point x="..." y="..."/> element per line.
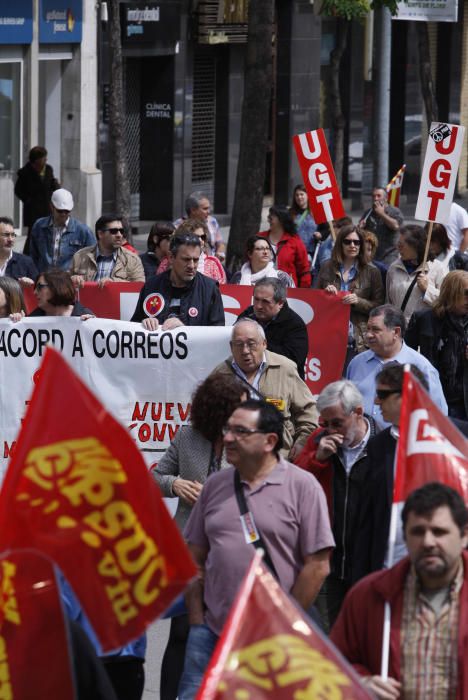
<point x="441" y="335"/>
<point x="12" y="304"/>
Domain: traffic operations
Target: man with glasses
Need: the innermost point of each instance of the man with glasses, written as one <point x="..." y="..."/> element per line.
<point x="384" y="337"/>
<point x="180" y="296"/>
<point x="12" y="264"/>
<point x="273" y="378"/>
<point x="108" y="260"/>
<point x="56" y="238"/>
<point x="284" y="511"/>
<point x="336" y="454"/>
<point x="285" y="331"/>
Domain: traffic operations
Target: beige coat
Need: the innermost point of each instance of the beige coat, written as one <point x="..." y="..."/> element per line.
<point x="281" y="385"/>
<point x="128" y="266"/>
<point x="398" y="281"/>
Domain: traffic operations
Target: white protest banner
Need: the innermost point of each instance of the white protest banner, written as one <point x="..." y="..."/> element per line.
<point x="439" y="175"/>
<point x="144" y="379"/>
<point x="428" y="10"/>
<point x="319" y="177"/>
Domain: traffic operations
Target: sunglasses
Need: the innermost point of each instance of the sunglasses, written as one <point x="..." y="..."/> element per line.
<point x="114" y="231"/>
<point x="385" y="393"/>
<point x="41" y="285"/>
<point x="352" y="241"/>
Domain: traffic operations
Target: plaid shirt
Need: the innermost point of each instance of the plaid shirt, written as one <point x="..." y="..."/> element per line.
<point x="429" y="643"/>
<point x="105" y="265"/>
<point x="58" y="232"/>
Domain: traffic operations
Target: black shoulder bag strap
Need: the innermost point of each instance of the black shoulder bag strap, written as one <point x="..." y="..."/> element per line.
<point x="408" y="294"/>
<point x="243" y="509"/>
<point x="242" y="379"/>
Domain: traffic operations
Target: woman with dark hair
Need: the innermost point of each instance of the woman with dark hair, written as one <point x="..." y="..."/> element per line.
<point x="349" y="271"/>
<point x="12" y="304"/>
<point x="259" y="264"/>
<point x="441" y="249"/>
<point x="290" y="254"/>
<point x="305" y="224"/>
<point x="441" y="334"/>
<point x="410" y="287"/>
<point x="55" y="296"/>
<point x="157" y="247"/>
<point x="196" y="452"/>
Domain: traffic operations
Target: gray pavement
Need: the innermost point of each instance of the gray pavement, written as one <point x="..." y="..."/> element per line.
<point x="157" y="639"/>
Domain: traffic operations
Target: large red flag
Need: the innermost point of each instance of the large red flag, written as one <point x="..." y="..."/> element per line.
<point x="270" y="649"/>
<point x="78" y="490"/>
<point x="430" y="447"/>
<point x="32" y="631"/>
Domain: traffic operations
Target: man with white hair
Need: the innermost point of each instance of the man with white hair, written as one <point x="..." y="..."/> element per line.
<point x="273" y="378"/>
<point x="336" y="454"/>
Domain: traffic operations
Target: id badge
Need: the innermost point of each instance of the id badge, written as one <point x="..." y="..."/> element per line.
<point x="280" y="404"/>
<point x="249" y="528"/>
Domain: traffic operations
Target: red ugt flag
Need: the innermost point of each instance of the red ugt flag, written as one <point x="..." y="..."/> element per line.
<point x="269" y="649"/>
<point x="78" y="490"/>
<point x="430" y="448"/>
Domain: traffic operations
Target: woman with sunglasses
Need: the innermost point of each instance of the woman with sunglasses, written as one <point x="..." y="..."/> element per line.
<point x="361" y="283"/>
<point x="441" y="335"/>
<point x="157" y="247"/>
<point x="289" y="252"/>
<point x="55" y="295"/>
<point x="208" y="265"/>
<point x="259" y="264"/>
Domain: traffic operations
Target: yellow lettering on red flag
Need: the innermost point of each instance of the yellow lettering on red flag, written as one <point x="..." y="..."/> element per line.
<point x="282" y="661"/>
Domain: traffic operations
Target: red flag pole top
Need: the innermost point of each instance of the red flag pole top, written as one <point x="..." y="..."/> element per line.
<point x="319" y="177"/>
<point x="78" y="490"/>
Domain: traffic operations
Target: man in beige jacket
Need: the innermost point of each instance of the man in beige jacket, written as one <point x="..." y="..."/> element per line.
<point x="107" y="260"/>
<point x="274" y="378"/>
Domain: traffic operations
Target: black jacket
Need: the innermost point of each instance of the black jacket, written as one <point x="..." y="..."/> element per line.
<point x="35" y="192"/>
<point x="21" y="266"/>
<point x="150" y="263"/>
<point x="200" y="304"/>
<point x="286" y="335"/>
<point x="78" y="310"/>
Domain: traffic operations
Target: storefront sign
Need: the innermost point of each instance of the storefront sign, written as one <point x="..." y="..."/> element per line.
<point x="444" y="148"/>
<point x="16" y="22"/>
<point x="60" y="21"/>
<point x="428" y="10"/>
<point x="148" y="22"/>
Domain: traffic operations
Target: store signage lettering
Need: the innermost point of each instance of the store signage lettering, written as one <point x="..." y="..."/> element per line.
<point x="158" y="110"/>
<point x="149" y="22"/>
<point x="60" y="21"/>
<point x="16" y="22"/>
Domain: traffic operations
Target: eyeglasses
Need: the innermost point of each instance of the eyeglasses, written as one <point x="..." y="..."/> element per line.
<point x="351" y="241"/>
<point x="250" y="344"/>
<point x="262" y="249"/>
<point x="385" y="393"/>
<point x="41" y="285"/>
<point x="114" y="231"/>
<point x="8" y="234"/>
<point x="239" y="431"/>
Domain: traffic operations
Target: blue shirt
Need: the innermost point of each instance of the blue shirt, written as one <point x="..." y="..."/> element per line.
<point x="363" y="369"/>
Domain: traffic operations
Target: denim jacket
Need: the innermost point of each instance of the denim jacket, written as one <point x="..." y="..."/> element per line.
<point x="76" y="236"/>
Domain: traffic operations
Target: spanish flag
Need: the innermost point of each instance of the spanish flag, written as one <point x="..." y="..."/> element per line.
<point x="270" y="649"/>
<point x="394" y="187"/>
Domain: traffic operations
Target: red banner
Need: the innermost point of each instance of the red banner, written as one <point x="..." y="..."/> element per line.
<point x="32" y="631"/>
<point x="78" y="490"/>
<point x="325" y="316"/>
<point x="270" y="649"/>
<point x="319" y="177"/>
<point x="430" y="447"/>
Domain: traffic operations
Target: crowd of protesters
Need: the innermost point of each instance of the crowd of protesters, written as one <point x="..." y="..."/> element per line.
<point x="316" y="474"/>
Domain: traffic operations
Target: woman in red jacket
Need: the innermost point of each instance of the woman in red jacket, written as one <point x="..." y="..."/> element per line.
<point x="289" y="250"/>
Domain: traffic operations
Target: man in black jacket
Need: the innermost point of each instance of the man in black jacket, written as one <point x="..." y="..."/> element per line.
<point x="12" y="264"/>
<point x="285" y="331"/>
<point x="181" y="296"/>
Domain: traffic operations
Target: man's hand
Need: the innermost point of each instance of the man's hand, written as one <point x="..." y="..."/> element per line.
<point x="188" y="491"/>
<point x="26" y="281"/>
<point x="328" y="446"/>
<point x="378" y="207"/>
<point x="78" y="281"/>
<point x="151" y="324"/>
<point x="422" y="281"/>
<point x="171" y="323"/>
<point x="386" y="690"/>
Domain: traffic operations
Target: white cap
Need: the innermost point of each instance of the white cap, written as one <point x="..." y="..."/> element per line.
<point x="62" y="199"/>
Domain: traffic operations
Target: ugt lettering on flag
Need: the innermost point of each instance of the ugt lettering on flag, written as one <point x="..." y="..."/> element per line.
<point x="270" y="649"/>
<point x="78" y="490"/>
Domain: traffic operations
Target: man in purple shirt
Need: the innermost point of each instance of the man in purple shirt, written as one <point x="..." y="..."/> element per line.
<point x="286" y="509"/>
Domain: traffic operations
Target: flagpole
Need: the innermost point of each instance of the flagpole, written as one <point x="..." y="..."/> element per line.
<point x="332" y="229"/>
<point x="387" y="609"/>
<point x="428" y="243"/>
